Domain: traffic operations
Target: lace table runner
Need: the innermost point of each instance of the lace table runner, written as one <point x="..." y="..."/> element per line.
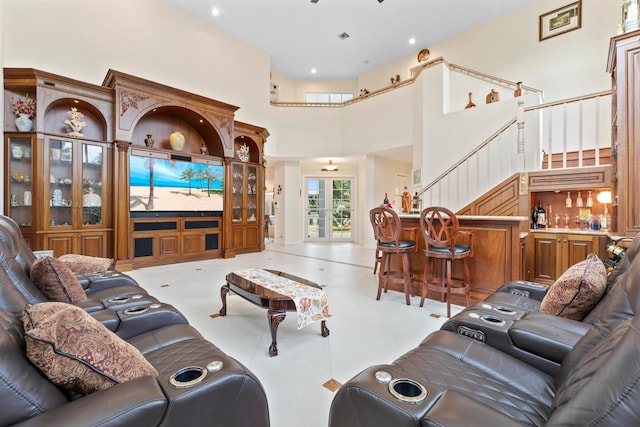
<point x="311" y="303"/>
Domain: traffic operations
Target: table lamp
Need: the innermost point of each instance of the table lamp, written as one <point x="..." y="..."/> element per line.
<point x="604" y="197"/>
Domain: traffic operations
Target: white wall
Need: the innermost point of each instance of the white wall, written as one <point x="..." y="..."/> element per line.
<point x="150" y="39"/>
<point x="564" y="66"/>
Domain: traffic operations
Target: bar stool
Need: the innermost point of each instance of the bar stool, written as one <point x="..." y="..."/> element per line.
<point x="387" y="228"/>
<point x="377" y="259"/>
<point x="441" y="230"/>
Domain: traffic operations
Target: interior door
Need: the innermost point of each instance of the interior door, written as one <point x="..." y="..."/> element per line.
<point x="329" y="211"/>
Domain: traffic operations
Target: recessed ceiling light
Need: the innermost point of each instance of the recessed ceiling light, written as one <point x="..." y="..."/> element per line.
<point x="215" y="11"/>
<point x="313" y="71"/>
<point x="412" y="40"/>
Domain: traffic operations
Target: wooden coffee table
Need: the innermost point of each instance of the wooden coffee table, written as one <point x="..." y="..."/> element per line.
<point x="276" y="304"/>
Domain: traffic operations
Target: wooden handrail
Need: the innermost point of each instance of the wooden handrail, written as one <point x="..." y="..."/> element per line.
<point x="415" y="72"/>
<point x="568" y="100"/>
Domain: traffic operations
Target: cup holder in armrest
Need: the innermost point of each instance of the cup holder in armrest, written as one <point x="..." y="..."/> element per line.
<point x="492" y="320"/>
<point x="407" y="390"/>
<point x="499" y="308"/>
<point x="139" y="309"/>
<point x="188" y="377"/>
<point x="123" y="298"/>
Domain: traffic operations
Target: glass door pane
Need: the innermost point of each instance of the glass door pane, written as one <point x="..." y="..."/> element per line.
<point x="237" y="182"/>
<point x="341" y="211"/>
<point x="60" y="183"/>
<point x="92" y="156"/>
<point x="20" y="176"/>
<point x="328" y="210"/>
<point x="252" y="193"/>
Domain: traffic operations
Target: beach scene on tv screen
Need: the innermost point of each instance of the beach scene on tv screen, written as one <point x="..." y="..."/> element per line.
<point x="171" y="185"/>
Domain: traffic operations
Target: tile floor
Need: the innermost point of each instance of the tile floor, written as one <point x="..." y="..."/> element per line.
<point x="300" y="380"/>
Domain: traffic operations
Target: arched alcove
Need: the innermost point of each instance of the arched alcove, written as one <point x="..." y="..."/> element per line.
<point x="57" y="113"/>
<point x="162" y="121"/>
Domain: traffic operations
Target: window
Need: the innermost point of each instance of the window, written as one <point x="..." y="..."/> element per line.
<point x="334" y="98"/>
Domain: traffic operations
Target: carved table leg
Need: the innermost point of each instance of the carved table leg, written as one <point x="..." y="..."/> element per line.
<point x="323" y="328"/>
<point x="224" y="290"/>
<point x="275" y="317"/>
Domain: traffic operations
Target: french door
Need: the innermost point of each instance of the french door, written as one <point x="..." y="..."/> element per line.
<point x="329" y="209"/>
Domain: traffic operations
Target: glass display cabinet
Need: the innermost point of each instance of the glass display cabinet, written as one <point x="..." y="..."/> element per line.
<point x="75" y="183"/>
<point x="19" y="175"/>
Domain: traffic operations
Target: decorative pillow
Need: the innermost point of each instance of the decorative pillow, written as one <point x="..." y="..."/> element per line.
<point x="86" y="264"/>
<point x="577" y="291"/>
<point x="77" y="352"/>
<point x="56" y="281"/>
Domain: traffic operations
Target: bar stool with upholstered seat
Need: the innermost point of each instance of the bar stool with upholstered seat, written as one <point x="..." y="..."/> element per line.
<point x="387" y="230"/>
<point x="441" y="232"/>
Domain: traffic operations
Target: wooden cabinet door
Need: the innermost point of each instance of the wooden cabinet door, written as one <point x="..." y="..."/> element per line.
<point x="92" y="244"/>
<point x="252" y="238"/>
<point x="545" y="260"/>
<point x="237" y="238"/>
<point x="192" y="244"/>
<point x="575" y="249"/>
<point x="60" y="243"/>
<point x="168" y="245"/>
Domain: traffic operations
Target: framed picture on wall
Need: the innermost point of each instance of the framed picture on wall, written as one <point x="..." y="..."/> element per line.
<point x="417" y="176"/>
<point x="561" y="20"/>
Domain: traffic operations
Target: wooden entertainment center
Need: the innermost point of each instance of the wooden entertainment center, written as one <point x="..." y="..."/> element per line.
<point x="72" y="193"/>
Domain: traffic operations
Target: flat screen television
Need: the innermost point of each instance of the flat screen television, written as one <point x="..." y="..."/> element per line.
<point x="174" y="185"/>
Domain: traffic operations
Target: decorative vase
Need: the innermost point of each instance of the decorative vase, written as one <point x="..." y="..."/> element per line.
<point x="470" y="104"/>
<point x="176" y="140"/>
<point x="24" y="123"/>
<point x="518" y="91"/>
<point x="148" y="141"/>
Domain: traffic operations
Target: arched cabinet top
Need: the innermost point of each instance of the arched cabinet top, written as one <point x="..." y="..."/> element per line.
<point x="140" y="102"/>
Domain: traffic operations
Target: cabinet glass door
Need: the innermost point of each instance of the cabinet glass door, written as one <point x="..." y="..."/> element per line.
<point x="237" y="190"/>
<point x="20" y="171"/>
<point x="252" y="194"/>
<point x="92" y="179"/>
<point x="60" y="183"/>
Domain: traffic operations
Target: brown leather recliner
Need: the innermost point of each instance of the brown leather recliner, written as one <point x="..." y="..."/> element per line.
<point x="94" y="282"/>
<point x="228" y="393"/>
<point x="455" y="380"/>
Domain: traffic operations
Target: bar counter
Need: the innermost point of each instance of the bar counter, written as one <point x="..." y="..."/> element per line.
<point x="499" y="253"/>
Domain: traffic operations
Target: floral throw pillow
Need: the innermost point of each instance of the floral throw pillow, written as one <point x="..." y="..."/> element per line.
<point x="577" y="291"/>
<point x="86" y="264"/>
<point x="76" y="352"/>
<point x="56" y="281"/>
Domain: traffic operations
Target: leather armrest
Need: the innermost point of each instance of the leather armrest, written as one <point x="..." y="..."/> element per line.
<point x="534" y="290"/>
<point x="548" y="336"/>
<point x="138" y="402"/>
<point x="90" y="304"/>
<point x="454" y="409"/>
<point x="155" y="316"/>
<point x="108" y="318"/>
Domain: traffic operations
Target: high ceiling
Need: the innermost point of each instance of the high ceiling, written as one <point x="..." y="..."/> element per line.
<point x="301" y="35"/>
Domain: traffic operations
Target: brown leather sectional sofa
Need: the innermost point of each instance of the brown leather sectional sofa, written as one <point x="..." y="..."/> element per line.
<point x="193" y="382"/>
<point x="503" y="363"/>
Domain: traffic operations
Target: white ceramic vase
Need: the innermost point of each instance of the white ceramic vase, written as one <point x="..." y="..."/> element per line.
<point x="24" y="123"/>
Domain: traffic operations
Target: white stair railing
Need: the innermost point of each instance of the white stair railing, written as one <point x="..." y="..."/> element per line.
<point x="574" y="131"/>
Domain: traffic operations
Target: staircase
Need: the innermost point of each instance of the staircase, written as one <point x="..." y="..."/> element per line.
<point x="570" y="133"/>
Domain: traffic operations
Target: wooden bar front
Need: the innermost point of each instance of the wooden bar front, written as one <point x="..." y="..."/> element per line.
<point x="499" y="247"/>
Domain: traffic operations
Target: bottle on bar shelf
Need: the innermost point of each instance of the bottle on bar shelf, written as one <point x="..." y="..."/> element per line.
<point x="542" y="215"/>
